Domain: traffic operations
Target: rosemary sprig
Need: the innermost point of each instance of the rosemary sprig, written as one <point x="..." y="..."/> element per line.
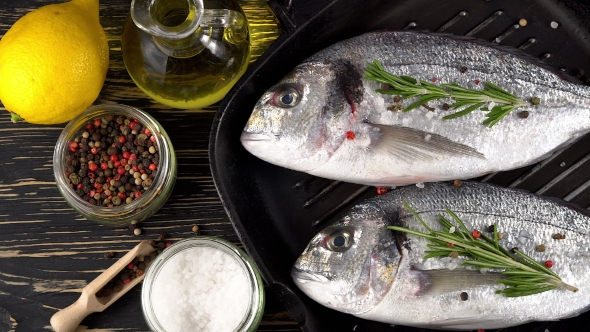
<point x="467" y="99"/>
<point x="524" y="275"/>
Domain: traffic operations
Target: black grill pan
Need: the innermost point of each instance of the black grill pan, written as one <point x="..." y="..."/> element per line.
<point x="276" y="211"/>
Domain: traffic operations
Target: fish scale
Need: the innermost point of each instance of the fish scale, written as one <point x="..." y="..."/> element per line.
<point x="385" y="148"/>
<point x="524" y="219"/>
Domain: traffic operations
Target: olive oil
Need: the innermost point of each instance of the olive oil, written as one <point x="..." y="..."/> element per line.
<point x="190" y="72"/>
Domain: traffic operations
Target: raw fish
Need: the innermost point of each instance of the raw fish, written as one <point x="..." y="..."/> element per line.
<point x="326" y="119"/>
<point x="361" y="267"/>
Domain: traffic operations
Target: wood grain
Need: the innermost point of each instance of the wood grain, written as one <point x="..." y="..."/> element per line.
<point x="48" y="252"/>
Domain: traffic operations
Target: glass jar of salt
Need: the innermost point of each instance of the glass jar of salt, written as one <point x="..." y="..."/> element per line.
<point x="202" y="284"/>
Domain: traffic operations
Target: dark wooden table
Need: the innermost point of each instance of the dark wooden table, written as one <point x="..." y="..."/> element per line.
<point x="48" y="252"/>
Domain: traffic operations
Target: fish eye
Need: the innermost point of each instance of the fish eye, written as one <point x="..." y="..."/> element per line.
<point x="339" y="241"/>
<point x="286" y="96"/>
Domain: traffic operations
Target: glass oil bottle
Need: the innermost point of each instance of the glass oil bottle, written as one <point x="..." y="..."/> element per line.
<point x="185" y="53"/>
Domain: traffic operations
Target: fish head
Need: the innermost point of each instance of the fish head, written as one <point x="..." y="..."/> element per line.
<point x="301" y="121"/>
<point x="351" y="265"/>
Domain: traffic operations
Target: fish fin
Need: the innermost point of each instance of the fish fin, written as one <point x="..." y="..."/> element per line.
<point x="445" y="281"/>
<point x="467" y="322"/>
<point x="413" y="144"/>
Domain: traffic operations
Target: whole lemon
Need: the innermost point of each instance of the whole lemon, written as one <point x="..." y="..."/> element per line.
<point x="53" y="62"/>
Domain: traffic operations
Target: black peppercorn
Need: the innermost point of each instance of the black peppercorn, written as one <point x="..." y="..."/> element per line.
<point x="464" y="296"/>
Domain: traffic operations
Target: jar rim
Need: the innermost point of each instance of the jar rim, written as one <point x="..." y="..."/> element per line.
<point x="161" y="178"/>
<point x="255" y="310"/>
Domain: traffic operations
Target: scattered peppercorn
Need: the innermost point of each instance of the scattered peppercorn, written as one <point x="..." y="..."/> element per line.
<point x="464" y="296"/>
<point x="523" y="114"/>
<point x="109" y="254"/>
<point x="500" y="236"/>
<point x="463" y="70"/>
<point x="137" y="231"/>
<point x="490" y="228"/>
<point x="457" y="183"/>
<point x="453" y="254"/>
<point x="548" y="264"/>
<point x="446" y="107"/>
<point x="476" y="234"/>
<point x="397" y="99"/>
<point x="558" y="236"/>
<point x="381" y="190"/>
<point x="535" y="100"/>
<point x="541" y="248"/>
<point x="106" y="151"/>
<point x="163" y="236"/>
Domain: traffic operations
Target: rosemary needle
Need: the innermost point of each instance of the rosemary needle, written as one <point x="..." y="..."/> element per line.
<point x="525" y="276"/>
<point x="468" y="100"/>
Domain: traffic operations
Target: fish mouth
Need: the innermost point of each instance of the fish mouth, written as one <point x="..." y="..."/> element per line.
<point x="304" y="277"/>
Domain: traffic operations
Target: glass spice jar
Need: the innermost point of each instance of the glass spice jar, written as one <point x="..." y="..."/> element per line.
<point x="218" y="279"/>
<point x="141" y="208"/>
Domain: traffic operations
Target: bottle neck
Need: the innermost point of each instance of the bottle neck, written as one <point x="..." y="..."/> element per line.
<point x="181" y="28"/>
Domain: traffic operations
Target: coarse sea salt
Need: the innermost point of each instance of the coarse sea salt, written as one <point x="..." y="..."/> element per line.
<point x="201" y="289"/>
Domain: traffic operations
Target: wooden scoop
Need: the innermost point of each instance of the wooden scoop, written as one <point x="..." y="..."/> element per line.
<point x="69" y="318"/>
